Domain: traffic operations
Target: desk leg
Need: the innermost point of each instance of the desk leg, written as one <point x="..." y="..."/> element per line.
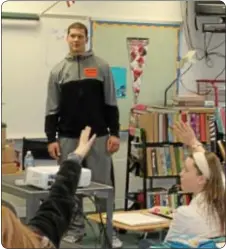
<point x="32" y="205"/>
<point x="110" y="203"/>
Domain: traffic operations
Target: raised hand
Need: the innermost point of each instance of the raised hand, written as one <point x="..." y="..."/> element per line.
<point x="184" y="133"/>
<point x="85" y="142"/>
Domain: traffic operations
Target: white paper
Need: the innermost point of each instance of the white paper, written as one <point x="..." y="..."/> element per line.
<point x="133" y="219"/>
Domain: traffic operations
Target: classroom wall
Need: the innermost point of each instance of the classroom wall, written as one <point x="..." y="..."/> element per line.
<point x="201" y="70"/>
<point x="124" y="10"/>
<point x="156" y="11"/>
<point x="143" y="11"/>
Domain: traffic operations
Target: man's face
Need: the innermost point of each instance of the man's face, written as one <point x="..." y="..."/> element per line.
<point x="77" y="40"/>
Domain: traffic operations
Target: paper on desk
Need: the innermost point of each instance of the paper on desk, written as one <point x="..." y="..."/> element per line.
<point x="135" y="219"/>
<point x="220" y="245"/>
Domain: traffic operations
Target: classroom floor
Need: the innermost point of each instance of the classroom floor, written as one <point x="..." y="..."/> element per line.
<point x="90" y="241"/>
<point x="92" y="238"/>
<point x="130" y="239"/>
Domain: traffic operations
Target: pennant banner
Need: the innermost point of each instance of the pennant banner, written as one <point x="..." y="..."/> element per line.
<point x="137" y="48"/>
<point x="69" y="3"/>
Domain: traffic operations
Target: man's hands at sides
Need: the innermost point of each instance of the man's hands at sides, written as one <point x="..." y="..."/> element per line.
<point x="113" y="144"/>
<point x="84" y="145"/>
<point x="54" y="150"/>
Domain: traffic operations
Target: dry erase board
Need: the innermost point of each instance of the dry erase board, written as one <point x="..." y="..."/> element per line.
<point x="29" y="51"/>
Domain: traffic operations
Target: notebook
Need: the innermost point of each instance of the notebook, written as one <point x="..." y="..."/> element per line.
<point x="136" y="219"/>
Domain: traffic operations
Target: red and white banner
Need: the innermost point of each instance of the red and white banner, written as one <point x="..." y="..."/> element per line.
<point x="137" y="48"/>
<point x="69" y="3"/>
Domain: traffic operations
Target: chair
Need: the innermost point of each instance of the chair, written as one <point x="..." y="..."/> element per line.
<point x="37" y="147"/>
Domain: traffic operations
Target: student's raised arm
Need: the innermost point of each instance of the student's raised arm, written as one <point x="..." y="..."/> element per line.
<point x="55" y="214"/>
<point x="186" y="135"/>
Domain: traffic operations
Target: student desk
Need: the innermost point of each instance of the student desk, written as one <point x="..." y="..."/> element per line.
<point x="34" y="195"/>
<point x="138" y="228"/>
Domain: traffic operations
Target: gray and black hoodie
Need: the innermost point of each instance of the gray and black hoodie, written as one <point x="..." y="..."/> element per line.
<point x="81" y="92"/>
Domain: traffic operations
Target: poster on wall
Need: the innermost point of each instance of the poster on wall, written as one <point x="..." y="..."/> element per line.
<point x="137" y="48"/>
<point x="119" y="76"/>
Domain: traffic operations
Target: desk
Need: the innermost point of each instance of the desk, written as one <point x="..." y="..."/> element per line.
<point x="33" y="196"/>
<point x="140" y="228"/>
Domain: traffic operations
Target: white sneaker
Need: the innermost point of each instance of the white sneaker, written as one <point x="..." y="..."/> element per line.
<point x="72" y="239"/>
<point x="116" y="242"/>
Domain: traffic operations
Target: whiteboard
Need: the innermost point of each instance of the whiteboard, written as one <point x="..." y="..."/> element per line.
<point x="30" y="49"/>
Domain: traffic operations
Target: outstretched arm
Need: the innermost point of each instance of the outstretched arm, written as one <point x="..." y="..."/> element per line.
<point x="55" y="213"/>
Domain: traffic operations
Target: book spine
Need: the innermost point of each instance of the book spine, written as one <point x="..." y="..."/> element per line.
<point x="203" y="137"/>
<point x="212" y="128"/>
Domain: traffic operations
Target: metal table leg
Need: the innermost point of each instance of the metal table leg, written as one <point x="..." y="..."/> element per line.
<point x="110" y="203"/>
<point x="32" y="206"/>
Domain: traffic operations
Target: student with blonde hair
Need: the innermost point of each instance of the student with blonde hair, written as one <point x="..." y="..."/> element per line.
<point x="52" y="219"/>
<point x="204" y="177"/>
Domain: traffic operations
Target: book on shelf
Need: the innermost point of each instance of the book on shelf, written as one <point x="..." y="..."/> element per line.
<point x="158" y="124"/>
<point x="165" y="161"/>
<point x="165" y="155"/>
<point x="220" y="119"/>
<point x="162" y="198"/>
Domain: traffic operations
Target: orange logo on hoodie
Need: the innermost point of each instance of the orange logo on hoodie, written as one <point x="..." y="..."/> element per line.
<point x="90" y="72"/>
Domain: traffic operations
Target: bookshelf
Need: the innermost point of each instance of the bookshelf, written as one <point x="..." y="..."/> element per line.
<point x="221" y="133"/>
<point x="221" y="120"/>
<point x="154" y="151"/>
<point x="164" y="198"/>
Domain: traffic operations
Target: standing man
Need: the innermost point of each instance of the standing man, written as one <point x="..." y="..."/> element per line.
<point x="81" y="93"/>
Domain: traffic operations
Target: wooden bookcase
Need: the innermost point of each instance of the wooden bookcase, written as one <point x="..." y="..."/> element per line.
<point x="154" y="151"/>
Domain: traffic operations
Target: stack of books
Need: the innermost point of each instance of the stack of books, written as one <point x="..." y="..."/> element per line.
<point x="189" y="100"/>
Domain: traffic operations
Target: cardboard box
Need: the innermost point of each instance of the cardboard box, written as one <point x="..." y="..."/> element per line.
<point x="3" y="136"/>
<point x="9" y="168"/>
<point x="8" y="154"/>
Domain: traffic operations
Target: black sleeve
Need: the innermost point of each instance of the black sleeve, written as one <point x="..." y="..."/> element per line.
<point x="51" y="122"/>
<point x="54" y="215"/>
<point x="52" y="108"/>
<point x="112" y="119"/>
<point x="111" y="107"/>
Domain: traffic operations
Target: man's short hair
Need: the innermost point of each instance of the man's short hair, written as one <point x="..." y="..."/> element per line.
<point x="78" y="25"/>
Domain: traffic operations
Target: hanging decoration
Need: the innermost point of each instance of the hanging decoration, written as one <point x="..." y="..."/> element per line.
<point x="69" y="3"/>
<point x="137" y="48"/>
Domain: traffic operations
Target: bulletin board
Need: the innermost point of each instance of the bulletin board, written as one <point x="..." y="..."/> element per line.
<point x="109" y="41"/>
